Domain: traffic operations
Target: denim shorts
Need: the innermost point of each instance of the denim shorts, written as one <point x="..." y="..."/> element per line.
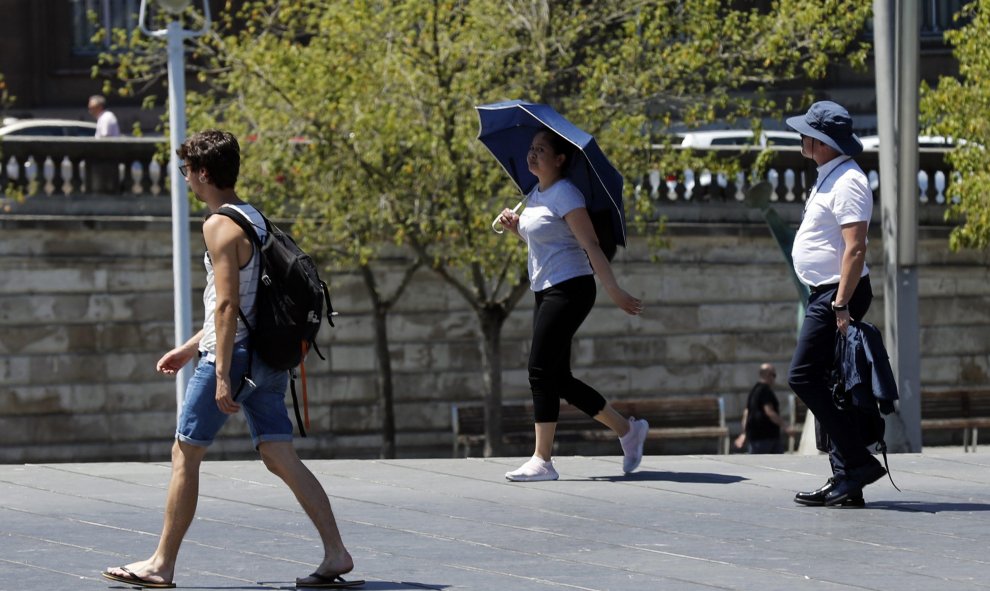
<point x="263" y="404"/>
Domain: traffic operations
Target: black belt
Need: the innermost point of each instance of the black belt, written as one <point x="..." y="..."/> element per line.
<point x="816" y="289"/>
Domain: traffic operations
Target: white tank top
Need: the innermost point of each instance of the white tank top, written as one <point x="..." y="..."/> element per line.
<point x="248" y="286"/>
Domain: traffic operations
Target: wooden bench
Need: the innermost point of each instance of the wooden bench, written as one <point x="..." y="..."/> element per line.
<point x="957" y="409"/>
<point x="797" y="412"/>
<point x="670" y="418"/>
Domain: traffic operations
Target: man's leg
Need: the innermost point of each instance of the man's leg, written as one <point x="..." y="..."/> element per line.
<point x="808" y="377"/>
<point x="180" y="508"/>
<point x="281" y="459"/>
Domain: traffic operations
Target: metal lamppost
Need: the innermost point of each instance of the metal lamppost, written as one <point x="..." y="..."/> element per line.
<point x="182" y="287"/>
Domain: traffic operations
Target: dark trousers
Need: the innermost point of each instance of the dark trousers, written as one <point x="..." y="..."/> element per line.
<point x="811" y="365"/>
<point x="765" y="446"/>
<point x="560" y="310"/>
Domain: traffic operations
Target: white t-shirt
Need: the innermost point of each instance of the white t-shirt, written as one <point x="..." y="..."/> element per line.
<point x="106" y="125"/>
<point x="842" y="196"/>
<point x="554" y="252"/>
<point x="248" y="286"/>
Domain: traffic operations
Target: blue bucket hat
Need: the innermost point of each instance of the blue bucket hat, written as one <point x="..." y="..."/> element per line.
<point x="830" y="123"/>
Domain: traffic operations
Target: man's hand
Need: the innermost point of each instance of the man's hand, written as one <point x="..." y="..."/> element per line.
<point x="174" y="360"/>
<point x="225" y="399"/>
<point x="842" y="320"/>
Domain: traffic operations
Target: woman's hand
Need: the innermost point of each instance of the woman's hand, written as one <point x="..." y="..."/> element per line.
<point x="509" y="220"/>
<point x="628" y="303"/>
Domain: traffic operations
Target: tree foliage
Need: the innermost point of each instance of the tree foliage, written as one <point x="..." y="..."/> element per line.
<point x="960" y="108"/>
<point x="359" y="121"/>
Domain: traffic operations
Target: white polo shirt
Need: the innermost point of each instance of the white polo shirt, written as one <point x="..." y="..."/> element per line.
<point x="107" y="126"/>
<point x="841" y="196"/>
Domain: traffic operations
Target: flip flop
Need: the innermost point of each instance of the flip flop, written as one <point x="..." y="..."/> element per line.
<point x="325" y="582"/>
<point x="137" y="581"/>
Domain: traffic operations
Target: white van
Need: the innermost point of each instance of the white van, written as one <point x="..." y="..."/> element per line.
<point x="738" y="137"/>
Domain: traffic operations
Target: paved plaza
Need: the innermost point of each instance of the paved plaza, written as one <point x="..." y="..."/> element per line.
<point x="681" y="523"/>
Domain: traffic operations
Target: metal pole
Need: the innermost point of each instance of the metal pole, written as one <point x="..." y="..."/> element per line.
<point x="908" y="359"/>
<point x="174" y="35"/>
<point x="182" y="286"/>
<point x="897" y="123"/>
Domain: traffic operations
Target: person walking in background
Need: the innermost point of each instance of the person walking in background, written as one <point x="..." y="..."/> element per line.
<point x="761" y="422"/>
<point x="563" y="258"/>
<point x="211" y="161"/>
<point x="829" y="256"/>
<point x="106" y="121"/>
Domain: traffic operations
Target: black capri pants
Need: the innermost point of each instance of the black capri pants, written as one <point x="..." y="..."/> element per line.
<point x="560" y="310"/>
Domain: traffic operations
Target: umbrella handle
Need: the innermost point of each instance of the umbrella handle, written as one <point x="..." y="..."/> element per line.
<point x="497" y="227"/>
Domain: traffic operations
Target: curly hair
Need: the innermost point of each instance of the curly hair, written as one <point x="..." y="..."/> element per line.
<point x="215" y="151"/>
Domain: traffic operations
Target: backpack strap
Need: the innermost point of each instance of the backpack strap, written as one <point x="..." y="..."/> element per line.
<point x="295" y="404"/>
<point x="248" y="227"/>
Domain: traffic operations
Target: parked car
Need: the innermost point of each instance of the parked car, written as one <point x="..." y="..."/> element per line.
<point x="872" y="142"/>
<point x="738" y="137"/>
<point x="48" y="127"/>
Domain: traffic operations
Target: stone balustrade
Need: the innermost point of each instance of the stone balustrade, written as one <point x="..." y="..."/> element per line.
<point x="791" y="175"/>
<point x="41" y="166"/>
<point x="82" y="167"/>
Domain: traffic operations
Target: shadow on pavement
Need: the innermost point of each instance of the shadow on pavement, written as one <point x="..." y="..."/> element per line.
<point x="368" y="586"/>
<point x="687" y="477"/>
<point x="923" y="507"/>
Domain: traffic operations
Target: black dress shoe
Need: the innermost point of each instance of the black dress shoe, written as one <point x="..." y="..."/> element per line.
<point x="851" y="487"/>
<point x="843" y="489"/>
<point x="816" y="498"/>
<point x="853" y="502"/>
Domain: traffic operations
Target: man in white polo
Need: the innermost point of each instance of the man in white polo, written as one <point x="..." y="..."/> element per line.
<point x="830" y="257"/>
<point x="106" y="121"/>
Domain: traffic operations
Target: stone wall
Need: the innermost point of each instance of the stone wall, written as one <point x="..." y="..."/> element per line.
<point x="86" y="310"/>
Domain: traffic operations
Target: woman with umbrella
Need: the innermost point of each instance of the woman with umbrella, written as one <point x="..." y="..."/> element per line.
<point x="563" y="257"/>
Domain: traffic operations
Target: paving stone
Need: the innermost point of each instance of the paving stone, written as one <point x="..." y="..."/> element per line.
<point x="681" y="523"/>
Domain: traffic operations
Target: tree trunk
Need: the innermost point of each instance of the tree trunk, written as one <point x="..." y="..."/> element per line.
<point x="380" y="309"/>
<point x="387" y="386"/>
<point x="492" y="318"/>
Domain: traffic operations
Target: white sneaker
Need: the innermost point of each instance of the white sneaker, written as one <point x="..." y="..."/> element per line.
<point x="535" y="469"/>
<point x="632" y="444"/>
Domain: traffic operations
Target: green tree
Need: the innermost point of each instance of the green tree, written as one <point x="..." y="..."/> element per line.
<point x="296" y="82"/>
<point x="958" y="108"/>
<point x="383" y="92"/>
<point x="701" y="62"/>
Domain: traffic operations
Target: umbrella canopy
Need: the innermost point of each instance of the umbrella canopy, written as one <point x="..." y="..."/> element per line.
<point x="507" y="130"/>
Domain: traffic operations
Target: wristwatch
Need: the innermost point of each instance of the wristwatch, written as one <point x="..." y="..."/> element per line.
<point x="837" y="308"/>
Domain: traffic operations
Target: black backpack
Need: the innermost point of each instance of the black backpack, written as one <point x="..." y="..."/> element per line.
<point x="290" y="303"/>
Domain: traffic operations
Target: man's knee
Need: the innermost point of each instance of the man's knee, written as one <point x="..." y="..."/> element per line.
<point x="278" y="456"/>
<point x="187" y="456"/>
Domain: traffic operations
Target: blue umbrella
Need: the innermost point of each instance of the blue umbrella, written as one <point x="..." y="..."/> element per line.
<point x="507" y="129"/>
